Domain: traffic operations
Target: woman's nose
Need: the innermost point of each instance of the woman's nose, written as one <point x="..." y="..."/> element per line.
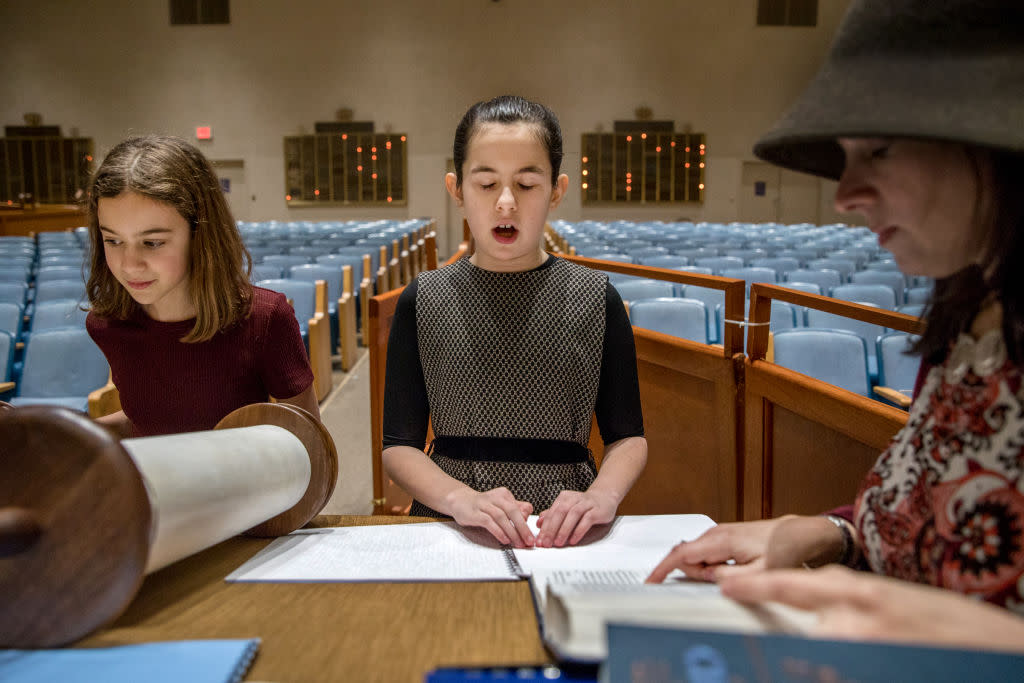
<point x="854" y="192"/>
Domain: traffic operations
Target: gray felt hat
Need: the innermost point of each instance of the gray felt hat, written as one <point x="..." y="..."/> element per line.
<point x="934" y="69"/>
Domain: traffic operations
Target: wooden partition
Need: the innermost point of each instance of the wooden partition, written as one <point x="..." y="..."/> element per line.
<point x="388" y="498"/>
<point x="808" y="444"/>
<point x="686" y="386"/>
<point x="46" y="218"/>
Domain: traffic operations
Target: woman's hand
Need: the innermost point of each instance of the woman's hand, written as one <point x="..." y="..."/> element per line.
<point x="572" y="515"/>
<point x="863" y="606"/>
<point x="495" y="510"/>
<point x="788" y="541"/>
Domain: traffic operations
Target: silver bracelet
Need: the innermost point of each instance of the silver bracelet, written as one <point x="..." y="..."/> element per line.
<point x="849" y="550"/>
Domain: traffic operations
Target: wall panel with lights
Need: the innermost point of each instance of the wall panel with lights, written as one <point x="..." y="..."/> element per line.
<point x="345" y="168"/>
<point x="642" y="168"/>
<point x="44" y="169"/>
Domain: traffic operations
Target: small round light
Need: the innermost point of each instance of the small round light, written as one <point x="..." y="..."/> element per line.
<point x="287" y="198"/>
<point x="643" y="136"/>
<point x="584" y="186"/>
<point x="701" y="186"/>
<point x="374" y="176"/>
<point x="584" y="160"/>
<point x="403" y="138"/>
<point x="585" y="171"/>
<point x="316" y="192"/>
<point x="359" y="168"/>
<point x="344" y="136"/>
<point x="629" y="138"/>
<point x="389" y="199"/>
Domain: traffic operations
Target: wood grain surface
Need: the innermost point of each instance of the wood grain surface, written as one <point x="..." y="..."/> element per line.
<point x="333" y="631"/>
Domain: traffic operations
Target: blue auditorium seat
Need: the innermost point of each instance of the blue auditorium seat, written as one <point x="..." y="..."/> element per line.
<point x="685" y="318"/>
<point x="62" y="366"/>
<point x="838" y="357"/>
<point x="641" y="288"/>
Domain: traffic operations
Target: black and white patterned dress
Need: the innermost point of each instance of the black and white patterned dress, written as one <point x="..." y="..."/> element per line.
<point x="509" y="368"/>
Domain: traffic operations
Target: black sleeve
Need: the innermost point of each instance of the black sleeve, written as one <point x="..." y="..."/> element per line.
<point x="618" y="395"/>
<point x="406" y="409"/>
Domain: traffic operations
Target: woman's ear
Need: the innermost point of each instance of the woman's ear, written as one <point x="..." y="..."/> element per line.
<point x="561" y="187"/>
<point x="451" y="183"/>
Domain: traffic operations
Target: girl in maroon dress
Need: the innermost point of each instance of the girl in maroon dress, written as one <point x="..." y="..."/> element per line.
<point x="188" y="338"/>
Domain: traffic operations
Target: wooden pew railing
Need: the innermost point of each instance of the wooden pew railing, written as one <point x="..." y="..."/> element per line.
<point x="389" y="498"/>
<point x="808" y="444"/>
<point x="729" y="435"/>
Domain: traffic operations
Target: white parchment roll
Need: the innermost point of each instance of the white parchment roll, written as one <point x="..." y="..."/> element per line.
<point x="206" y="487"/>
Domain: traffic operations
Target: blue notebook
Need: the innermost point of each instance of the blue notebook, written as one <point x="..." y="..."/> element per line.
<point x="196" y="661"/>
<point x="718" y="657"/>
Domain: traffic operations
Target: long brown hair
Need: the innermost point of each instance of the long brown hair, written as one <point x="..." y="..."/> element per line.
<point x="170" y="170"/>
<point x="957" y="299"/>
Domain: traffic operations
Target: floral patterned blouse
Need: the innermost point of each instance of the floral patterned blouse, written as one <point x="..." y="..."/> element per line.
<point x="944" y="504"/>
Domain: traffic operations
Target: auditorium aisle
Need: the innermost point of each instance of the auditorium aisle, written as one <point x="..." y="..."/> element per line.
<point x="346" y="413"/>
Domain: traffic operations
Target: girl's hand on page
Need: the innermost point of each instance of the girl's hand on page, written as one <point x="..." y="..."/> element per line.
<point x="497" y="511"/>
<point x="863" y="606"/>
<point x="572" y="515"/>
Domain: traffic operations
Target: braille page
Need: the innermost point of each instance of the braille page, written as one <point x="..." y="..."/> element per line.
<point x="439" y="551"/>
<point x="623" y="552"/>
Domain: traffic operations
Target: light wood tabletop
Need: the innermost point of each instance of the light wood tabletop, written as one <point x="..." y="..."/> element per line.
<point x="332" y="631"/>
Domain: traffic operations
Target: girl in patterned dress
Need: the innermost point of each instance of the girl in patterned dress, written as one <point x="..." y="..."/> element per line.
<point x="919" y="113"/>
<point x="509" y="352"/>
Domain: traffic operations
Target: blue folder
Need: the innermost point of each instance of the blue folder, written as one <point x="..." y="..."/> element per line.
<point x="719" y="657"/>
<point x="196" y="661"/>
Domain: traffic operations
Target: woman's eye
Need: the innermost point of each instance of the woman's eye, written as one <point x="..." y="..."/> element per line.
<point x="111" y="242"/>
<point x="526" y="187"/>
<point x="881" y="151"/>
<point x="153" y="244"/>
<point x="488" y="186"/>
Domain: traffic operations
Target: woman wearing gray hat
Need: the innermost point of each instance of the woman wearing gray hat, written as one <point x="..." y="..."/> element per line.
<point x="918" y="111"/>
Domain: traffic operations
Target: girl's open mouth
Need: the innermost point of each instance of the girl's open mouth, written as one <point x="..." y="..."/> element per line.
<point x="505" y="234"/>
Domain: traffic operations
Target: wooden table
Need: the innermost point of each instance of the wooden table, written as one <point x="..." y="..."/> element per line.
<point x="332" y="631"/>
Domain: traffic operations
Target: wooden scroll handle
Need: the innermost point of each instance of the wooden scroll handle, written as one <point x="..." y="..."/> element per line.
<point x="77" y="523"/>
<point x="323" y="460"/>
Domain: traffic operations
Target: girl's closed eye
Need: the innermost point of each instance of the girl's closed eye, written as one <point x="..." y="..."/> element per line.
<point x="523" y="186"/>
<point x="487" y="186"/>
<point x="154" y="244"/>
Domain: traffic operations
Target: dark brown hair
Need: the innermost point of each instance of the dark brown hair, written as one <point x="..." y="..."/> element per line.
<point x="170" y="170"/>
<point x="510" y="109"/>
<point x="957" y="299"/>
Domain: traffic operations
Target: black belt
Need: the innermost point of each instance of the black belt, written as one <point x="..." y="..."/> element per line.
<point x="509" y="450"/>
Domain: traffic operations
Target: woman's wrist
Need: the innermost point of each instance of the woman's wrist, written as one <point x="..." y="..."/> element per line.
<point x="849" y="550"/>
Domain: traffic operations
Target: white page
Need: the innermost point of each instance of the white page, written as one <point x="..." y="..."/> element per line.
<point x="440" y="551"/>
<point x="634" y="543"/>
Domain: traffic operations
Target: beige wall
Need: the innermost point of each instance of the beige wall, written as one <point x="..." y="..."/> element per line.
<point x="110" y="68"/>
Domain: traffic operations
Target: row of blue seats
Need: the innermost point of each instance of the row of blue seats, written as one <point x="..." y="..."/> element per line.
<point x="61" y="366"/>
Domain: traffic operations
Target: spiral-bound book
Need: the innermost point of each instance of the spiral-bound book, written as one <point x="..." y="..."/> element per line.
<point x="391" y="552"/>
<point x="196" y="661"/>
<point x="444" y="551"/>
